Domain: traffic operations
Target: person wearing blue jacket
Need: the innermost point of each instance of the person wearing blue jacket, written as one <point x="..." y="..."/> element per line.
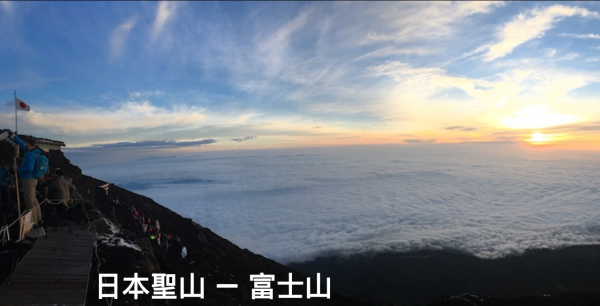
<point x="29" y="183"/>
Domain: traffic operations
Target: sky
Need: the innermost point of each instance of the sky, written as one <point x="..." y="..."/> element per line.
<point x="193" y="76"/>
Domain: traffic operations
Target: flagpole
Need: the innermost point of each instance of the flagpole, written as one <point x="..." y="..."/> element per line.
<point x="18" y="201"/>
<point x="17" y="175"/>
<point x="16" y="124"/>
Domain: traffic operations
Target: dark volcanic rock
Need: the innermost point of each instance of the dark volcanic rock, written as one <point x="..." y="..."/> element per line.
<point x="569" y="276"/>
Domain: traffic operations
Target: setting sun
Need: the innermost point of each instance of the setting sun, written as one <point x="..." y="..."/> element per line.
<point x="538" y="138"/>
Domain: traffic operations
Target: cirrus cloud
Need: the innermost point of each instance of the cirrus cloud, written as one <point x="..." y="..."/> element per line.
<point x="528" y="26"/>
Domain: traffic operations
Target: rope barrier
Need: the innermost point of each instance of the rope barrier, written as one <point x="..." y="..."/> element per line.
<point x="77" y="198"/>
<point x="56" y="202"/>
<point x="24" y="213"/>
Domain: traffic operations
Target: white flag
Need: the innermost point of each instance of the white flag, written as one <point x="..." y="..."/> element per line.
<point x="21" y="105"/>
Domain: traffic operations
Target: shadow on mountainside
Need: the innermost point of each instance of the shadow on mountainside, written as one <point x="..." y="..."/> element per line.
<point x="539" y="277"/>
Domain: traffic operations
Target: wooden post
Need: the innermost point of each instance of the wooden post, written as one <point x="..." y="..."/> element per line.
<point x="18" y="201"/>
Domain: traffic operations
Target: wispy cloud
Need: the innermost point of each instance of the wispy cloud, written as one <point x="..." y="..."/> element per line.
<point x="432" y="80"/>
<point x="10" y="22"/>
<point x="460" y="128"/>
<point x="312" y="71"/>
<point x="164" y="13"/>
<point x="388" y="51"/>
<point x="126" y="116"/>
<point x="156" y="144"/>
<point x="146" y="94"/>
<point x="402" y="71"/>
<point x="141" y="120"/>
<point x="429" y="20"/>
<point x="273" y="49"/>
<point x="530" y="25"/>
<point x="569" y="57"/>
<point x="29" y="78"/>
<point x="118" y="37"/>
<point x="6" y="6"/>
<point x="589" y="127"/>
<point x="583" y="36"/>
<point x="418" y="141"/>
<point x="243" y="139"/>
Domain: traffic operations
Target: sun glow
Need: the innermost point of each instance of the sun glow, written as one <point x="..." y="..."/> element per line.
<point x="539" y="138"/>
<point x="537" y="117"/>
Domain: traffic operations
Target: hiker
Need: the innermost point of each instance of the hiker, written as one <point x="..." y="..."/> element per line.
<point x="29" y="183"/>
<point x="169" y="237"/>
<point x="60" y="188"/>
<point x="6" y="179"/>
<point x="136" y="215"/>
<point x="183" y="252"/>
<point x="150" y="230"/>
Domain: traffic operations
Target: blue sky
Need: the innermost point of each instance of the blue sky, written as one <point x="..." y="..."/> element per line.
<point x="223" y="75"/>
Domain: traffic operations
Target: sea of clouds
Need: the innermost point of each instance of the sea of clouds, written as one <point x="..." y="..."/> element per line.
<point x="295" y="204"/>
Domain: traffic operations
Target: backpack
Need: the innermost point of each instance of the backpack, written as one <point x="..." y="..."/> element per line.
<point x="41" y="166"/>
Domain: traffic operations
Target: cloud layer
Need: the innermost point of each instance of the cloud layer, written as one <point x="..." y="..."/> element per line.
<point x="292" y="205"/>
